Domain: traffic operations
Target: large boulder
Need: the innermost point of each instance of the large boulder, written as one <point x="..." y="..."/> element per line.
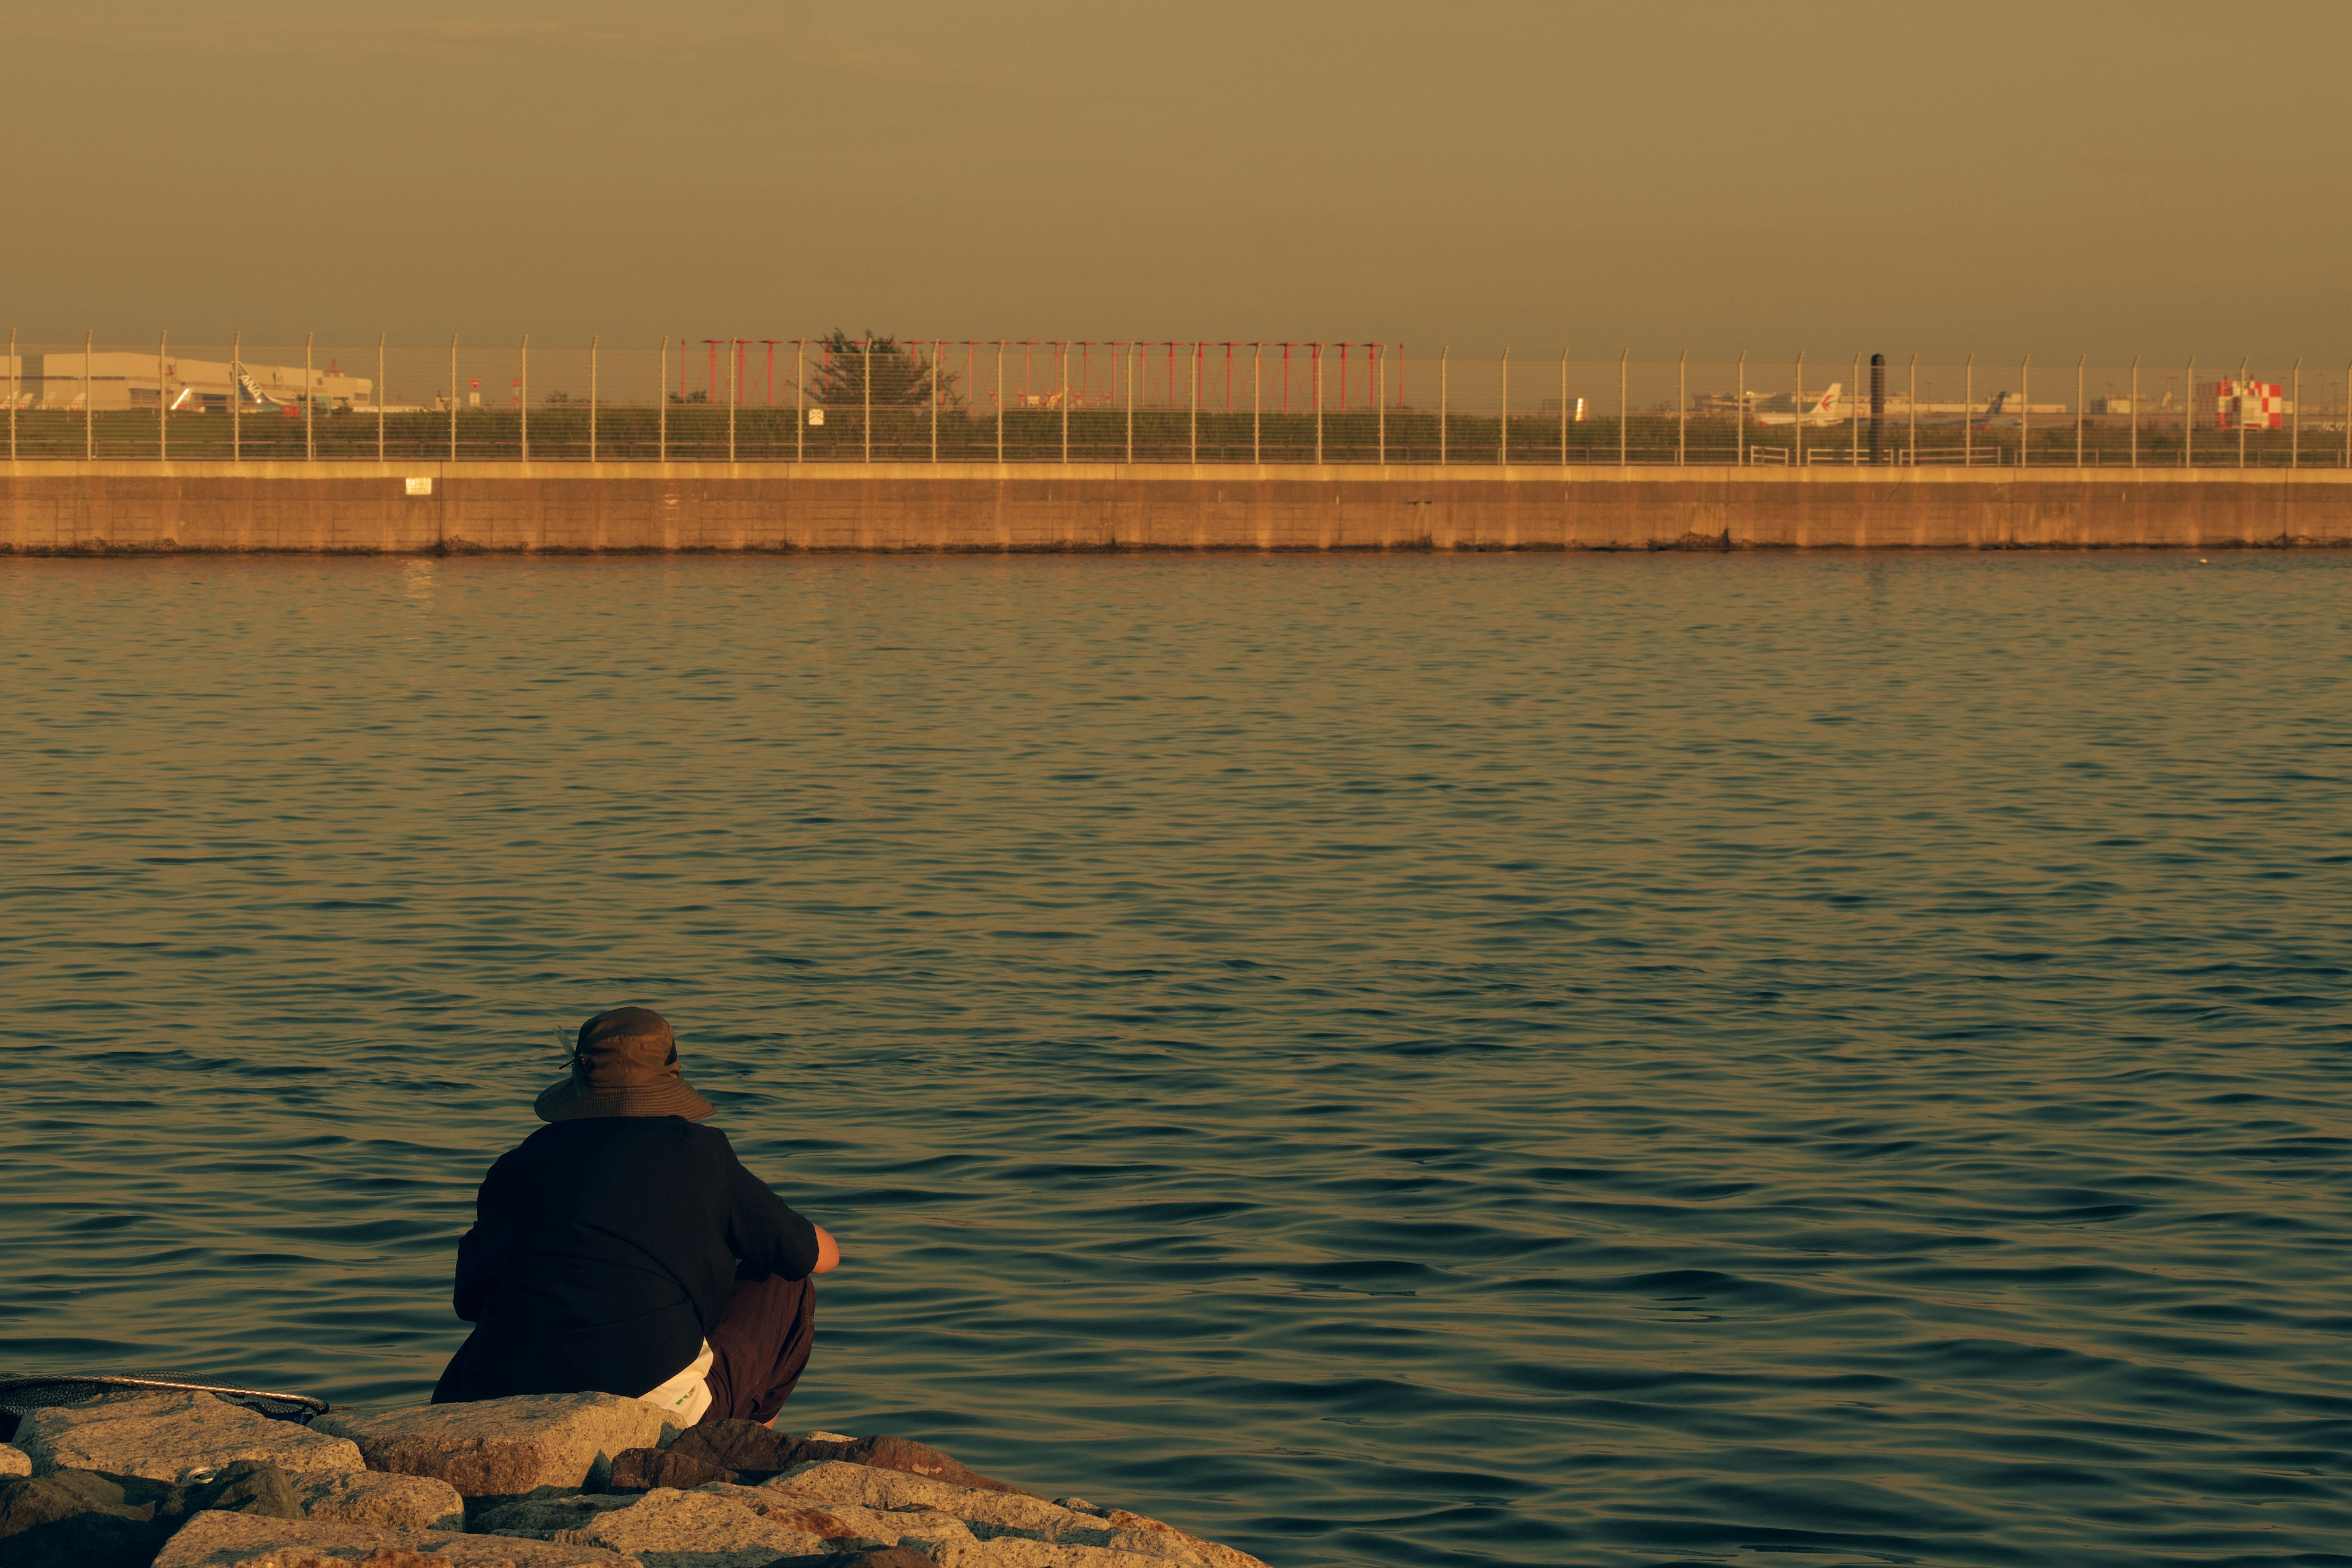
<point x="668" y="1528"/>
<point x="746" y="1451"/>
<point x="14" y="1461"/>
<point x="503" y="1448"/>
<point x="177" y="1435"/>
<point x="544" y="1515"/>
<point x="78" y="1519"/>
<point x="847" y="1527"/>
<point x="382" y="1498"/>
<point x="1001" y="1519"/>
<point x="237" y="1540"/>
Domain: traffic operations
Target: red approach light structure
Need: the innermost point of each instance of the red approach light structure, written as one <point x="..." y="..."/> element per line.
<point x="2251" y="405"/>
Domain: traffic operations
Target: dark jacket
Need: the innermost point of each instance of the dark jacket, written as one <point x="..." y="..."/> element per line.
<point x="603" y="1251"/>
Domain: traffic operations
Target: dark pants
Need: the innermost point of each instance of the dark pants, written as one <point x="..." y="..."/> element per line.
<point x="759" y="1347"/>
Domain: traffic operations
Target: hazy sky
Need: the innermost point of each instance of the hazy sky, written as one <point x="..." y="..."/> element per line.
<point x="1995" y="178"/>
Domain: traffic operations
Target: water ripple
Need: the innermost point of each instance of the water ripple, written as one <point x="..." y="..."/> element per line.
<point x="1420" y="1061"/>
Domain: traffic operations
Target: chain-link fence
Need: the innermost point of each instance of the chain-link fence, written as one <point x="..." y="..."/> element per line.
<point x="840" y="399"/>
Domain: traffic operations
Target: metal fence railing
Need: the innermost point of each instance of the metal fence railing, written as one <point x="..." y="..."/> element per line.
<point x="841" y="399"/>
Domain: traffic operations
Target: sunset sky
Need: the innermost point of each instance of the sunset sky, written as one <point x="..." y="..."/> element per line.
<point x="1988" y="178"/>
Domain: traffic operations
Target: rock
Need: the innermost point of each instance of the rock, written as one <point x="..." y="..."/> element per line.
<point x="882" y="1557"/>
<point x="381" y="1498"/>
<point x="668" y="1528"/>
<point x="544" y="1515"/>
<point x="1019" y="1551"/>
<point x="14" y="1461"/>
<point x="233" y="1540"/>
<point x="74" y="1519"/>
<point x="642" y="1469"/>
<point x="78" y="1519"/>
<point x="745" y="1451"/>
<point x="247" y="1486"/>
<point x="996" y="1518"/>
<point x="844" y="1527"/>
<point x="503" y="1448"/>
<point x="175" y="1435"/>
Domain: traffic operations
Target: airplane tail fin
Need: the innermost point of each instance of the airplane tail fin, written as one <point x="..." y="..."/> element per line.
<point x="1828" y="401"/>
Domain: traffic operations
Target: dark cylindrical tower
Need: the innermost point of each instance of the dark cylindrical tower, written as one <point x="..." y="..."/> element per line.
<point x="1877" y="404"/>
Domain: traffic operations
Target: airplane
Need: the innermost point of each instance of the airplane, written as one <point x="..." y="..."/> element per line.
<point x="254" y="394"/>
<point x="1820" y="410"/>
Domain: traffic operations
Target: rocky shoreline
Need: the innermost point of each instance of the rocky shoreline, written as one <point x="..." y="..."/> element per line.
<point x="187" y="1479"/>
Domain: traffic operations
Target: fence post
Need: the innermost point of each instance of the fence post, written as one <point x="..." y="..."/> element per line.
<point x="1063" y="350"/>
<point x="1739" y="442"/>
<point x="1503" y="445"/>
<point x="2188" y="418"/>
<point x="522" y="401"/>
<point x="999" y="401"/>
<point x="800" y="395"/>
<point x="1854" y="436"/>
<point x="594" y="339"/>
<point x="1381" y="401"/>
<point x="2135" y="411"/>
<point x="1441" y="404"/>
<point x="1968" y="413"/>
<point x="1624" y="409"/>
<point x="935" y="405"/>
<point x="13" y="394"/>
<point x="865" y="420"/>
<point x="1318" y="405"/>
<point x="1911" y="441"/>
<point x="2241" y="411"/>
<point x="1192" y="429"/>
<point x="1682" y="409"/>
<point x="1257" y="365"/>
<point x="2080" y="407"/>
<point x="88" y="430"/>
<point x="236" y="398"/>
<point x="309" y="400"/>
<point x="1563" y="407"/>
<point x="453" y="397"/>
<point x="2024" y="408"/>
<point x="1131" y="409"/>
<point x="379" y="397"/>
<point x="661" y="401"/>
<point x="163" y="402"/>
<point x="1797" y="425"/>
<point x="2294" y="418"/>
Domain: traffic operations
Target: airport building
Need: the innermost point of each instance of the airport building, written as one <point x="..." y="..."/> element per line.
<point x="117" y="379"/>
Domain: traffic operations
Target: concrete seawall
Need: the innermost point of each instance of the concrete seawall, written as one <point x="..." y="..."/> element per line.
<point x="107" y="507"/>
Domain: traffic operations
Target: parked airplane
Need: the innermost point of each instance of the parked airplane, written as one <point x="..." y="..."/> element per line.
<point x="253" y="391"/>
<point x="1820" y="410"/>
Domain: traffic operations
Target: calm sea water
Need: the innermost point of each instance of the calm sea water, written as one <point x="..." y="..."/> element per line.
<point x="1613" y="1060"/>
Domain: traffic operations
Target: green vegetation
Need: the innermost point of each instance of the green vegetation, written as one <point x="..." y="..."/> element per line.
<point x="904" y="429"/>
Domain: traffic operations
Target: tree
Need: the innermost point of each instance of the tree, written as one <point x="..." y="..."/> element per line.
<point x="840" y="366"/>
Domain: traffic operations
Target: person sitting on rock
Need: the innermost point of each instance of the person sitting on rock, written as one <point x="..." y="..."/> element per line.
<point x="624" y="1249"/>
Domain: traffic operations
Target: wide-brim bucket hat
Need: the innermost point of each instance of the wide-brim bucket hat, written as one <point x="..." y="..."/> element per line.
<point x="624" y="1064"/>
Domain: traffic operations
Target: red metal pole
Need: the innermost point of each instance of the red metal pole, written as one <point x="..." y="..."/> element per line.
<point x="1286" y="378"/>
<point x="1343" y="378"/>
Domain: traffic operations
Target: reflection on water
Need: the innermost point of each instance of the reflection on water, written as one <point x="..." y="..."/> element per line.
<point x="1605" y="1060"/>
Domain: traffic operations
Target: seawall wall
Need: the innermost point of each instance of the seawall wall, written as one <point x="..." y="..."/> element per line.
<point x="106" y="507"/>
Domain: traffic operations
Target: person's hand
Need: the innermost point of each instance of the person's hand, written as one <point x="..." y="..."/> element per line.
<point x="828" y="1251"/>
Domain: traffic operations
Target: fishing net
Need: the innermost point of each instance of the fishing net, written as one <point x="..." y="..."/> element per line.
<point x="20" y="1394"/>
